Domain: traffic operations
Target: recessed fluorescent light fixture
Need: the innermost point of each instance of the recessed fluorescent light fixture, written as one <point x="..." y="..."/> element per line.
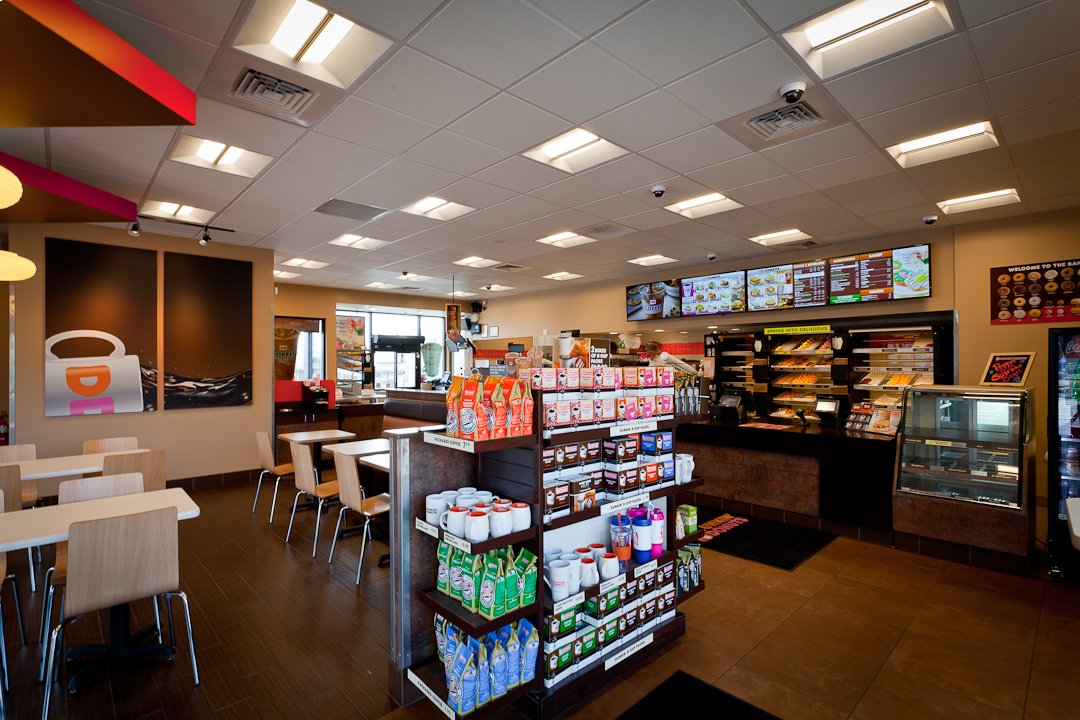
<point x="437" y="209"/>
<point x="475" y="261"/>
<point x="780" y="238"/>
<point x="285" y="275"/>
<point x="497" y="288"/>
<point x="942" y="145"/>
<point x="381" y="285"/>
<point x="214" y="155"/>
<point x="177" y="211"/>
<point x="309" y="32"/>
<point x="703" y="205"/>
<point x="460" y="293"/>
<point x="414" y="276"/>
<point x="305" y="263"/>
<point x="659" y="330"/>
<point x="358" y="242"/>
<point x="563" y="276"/>
<point x="862" y="31"/>
<point x="566" y="240"/>
<point x="650" y="260"/>
<point x="712" y="327"/>
<point x="575" y="151"/>
<point x="980" y="201"/>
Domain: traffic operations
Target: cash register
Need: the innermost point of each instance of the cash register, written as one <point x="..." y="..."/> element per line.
<point x="729" y="407"/>
<point x="829" y="411"/>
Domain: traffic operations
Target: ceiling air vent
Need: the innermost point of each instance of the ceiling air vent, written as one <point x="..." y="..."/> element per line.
<point x="808" y="244"/>
<point x="273" y="93"/>
<point x="507" y="267"/>
<point x="355" y="211"/>
<point x="784" y="121"/>
<point x="605" y="231"/>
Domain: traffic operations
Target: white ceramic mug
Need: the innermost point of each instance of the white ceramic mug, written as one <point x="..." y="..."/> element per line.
<point x="521" y="516"/>
<point x="477" y="528"/>
<point x="501" y="522"/>
<point x="484" y="496"/>
<point x="574" y="581"/>
<point x="551" y="554"/>
<point x="482" y="506"/>
<point x="590" y="575"/>
<point x="434" y="507"/>
<point x="609" y="566"/>
<point x="598" y="550"/>
<point x="502" y="502"/>
<point x="584" y="552"/>
<point x="466" y="490"/>
<point x="453" y="520"/>
<point x="559" y="579"/>
<point x="451" y="497"/>
<point x="466" y="500"/>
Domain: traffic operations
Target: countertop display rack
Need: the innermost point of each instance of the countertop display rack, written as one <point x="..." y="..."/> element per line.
<point x="802" y="367"/>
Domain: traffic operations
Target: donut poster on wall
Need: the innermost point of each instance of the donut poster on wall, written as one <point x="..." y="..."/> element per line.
<point x="1039" y="293"/>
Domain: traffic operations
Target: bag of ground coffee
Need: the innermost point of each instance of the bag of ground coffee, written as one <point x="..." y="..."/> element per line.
<point x="442" y="577"/>
<point x="513" y="660"/>
<point x="455" y="574"/>
<point x="511" y="588"/>
<point x="530" y="648"/>
<point x="469" y="566"/>
<point x="483" y="672"/>
<point x="497" y="659"/>
<point x="489" y="585"/>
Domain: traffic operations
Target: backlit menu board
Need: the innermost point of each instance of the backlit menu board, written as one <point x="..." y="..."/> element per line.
<point x="652" y="301"/>
<point x="714" y="294"/>
<point x="770" y="288"/>
<point x="885" y="275"/>
<point x="811" y="288"/>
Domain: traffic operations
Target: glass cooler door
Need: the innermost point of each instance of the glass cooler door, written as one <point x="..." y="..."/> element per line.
<point x="1063" y="440"/>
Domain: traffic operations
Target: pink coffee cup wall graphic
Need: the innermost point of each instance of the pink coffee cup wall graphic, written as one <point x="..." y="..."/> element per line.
<point x="97" y="385"/>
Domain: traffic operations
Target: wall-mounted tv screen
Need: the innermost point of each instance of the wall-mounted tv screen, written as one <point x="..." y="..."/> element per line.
<point x="810" y="284"/>
<point x="653" y="300"/>
<point x="886" y="275"/>
<point x="714" y="294"/>
<point x="770" y="288"/>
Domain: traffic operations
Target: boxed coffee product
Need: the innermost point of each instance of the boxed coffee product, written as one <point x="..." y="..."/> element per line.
<point x="558" y="659"/>
<point x="550" y="413"/>
<point x="608" y="632"/>
<point x="665" y="601"/>
<point x="650" y="581"/>
<point x="665" y="404"/>
<point x="689" y="518"/>
<point x="566" y="454"/>
<point x="647" y="407"/>
<point x="619" y="482"/>
<point x="549" y="379"/>
<point x="564" y="413"/>
<point x="621" y="448"/>
<point x="643" y="612"/>
<point x="548" y="458"/>
<point x="631" y="615"/>
<point x="587" y="636"/>
<point x="632" y="409"/>
<point x="586" y="412"/>
<point x="647" y="377"/>
<point x="666" y="377"/>
<point x="607" y="411"/>
<point x="630" y="377"/>
<point x="579" y="502"/>
<point x="611" y="378"/>
<point x="652" y="474"/>
<point x="536" y="376"/>
<point x="579" y="484"/>
<point x="592" y="451"/>
<point x="665" y="572"/>
<point x="573" y="378"/>
<point x="587" y="379"/>
<point x="602" y="604"/>
<point x="656" y="443"/>
<point x="667" y="469"/>
<point x="556" y="496"/>
<point x="557" y="625"/>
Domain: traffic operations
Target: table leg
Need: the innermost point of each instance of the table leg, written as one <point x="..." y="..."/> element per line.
<point x="122" y="644"/>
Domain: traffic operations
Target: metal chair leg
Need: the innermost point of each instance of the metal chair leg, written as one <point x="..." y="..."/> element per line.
<point x="190" y="637"/>
<point x="18" y="607"/>
<point x="293" y="516"/>
<point x="318" y="519"/>
<point x="363" y="546"/>
<point x="50" y="667"/>
<point x="30" y="569"/>
<point x="46" y="607"/>
<point x="257" y="489"/>
<point x="157" y="618"/>
<point x="337" y="529"/>
<point x="3" y="651"/>
<point x="172" y="625"/>
<point x="273" y="501"/>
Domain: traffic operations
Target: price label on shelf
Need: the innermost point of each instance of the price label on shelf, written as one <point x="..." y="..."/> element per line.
<point x="628" y="651"/>
<point x="427" y="528"/>
<point x="454" y="541"/>
<point x="569" y="602"/>
<point x="631" y="428"/>
<point x="430" y="695"/>
<point x="646" y="568"/>
<point x="627" y="502"/>
<point x="612" y="583"/>
<point x="449" y="442"/>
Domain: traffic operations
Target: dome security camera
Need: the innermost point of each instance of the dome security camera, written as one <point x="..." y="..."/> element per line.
<point x="659" y="190"/>
<point x="929" y="219"/>
<point x="792" y="92"/>
<point x="710" y="257"/>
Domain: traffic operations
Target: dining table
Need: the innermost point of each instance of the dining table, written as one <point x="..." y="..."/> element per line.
<point x="316" y="438"/>
<point x="358" y="448"/>
<point x="63" y="467"/>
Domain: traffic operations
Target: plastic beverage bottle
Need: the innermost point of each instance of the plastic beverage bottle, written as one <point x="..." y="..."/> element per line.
<point x="657" y="517"/>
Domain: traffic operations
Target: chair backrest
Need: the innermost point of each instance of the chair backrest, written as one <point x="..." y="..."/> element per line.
<point x="266" y="453"/>
<point x="106" y="445"/>
<point x="151" y="464"/>
<point x="116" y="560"/>
<point x="11" y="485"/>
<point x="350" y="492"/>
<point x="15" y="453"/>
<point x="303" y="468"/>
<point x="102" y="486"/>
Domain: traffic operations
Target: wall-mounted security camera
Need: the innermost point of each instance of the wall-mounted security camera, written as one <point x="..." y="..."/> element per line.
<point x="929" y="219"/>
<point x="792" y="92"/>
<point x="710" y="257"/>
<point x="487" y="287"/>
<point x="404" y="273"/>
<point x="659" y="190"/>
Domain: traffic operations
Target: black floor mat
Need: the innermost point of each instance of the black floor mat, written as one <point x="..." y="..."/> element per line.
<point x="760" y="540"/>
<point x="687" y="692"/>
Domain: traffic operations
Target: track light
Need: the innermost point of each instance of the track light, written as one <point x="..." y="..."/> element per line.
<point x="134" y="230"/>
<point x="205" y="239"/>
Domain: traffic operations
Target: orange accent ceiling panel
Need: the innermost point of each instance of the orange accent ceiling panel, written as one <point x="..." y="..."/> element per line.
<point x="51" y="197"/>
<point x="63" y="68"/>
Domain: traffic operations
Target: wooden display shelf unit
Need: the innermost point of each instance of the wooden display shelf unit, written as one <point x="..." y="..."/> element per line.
<point x="627" y="500"/>
<point x="689" y="593"/>
<point x="560" y="436"/>
<point x="475" y="548"/>
<point x="430" y="678"/>
<point x="630" y="574"/>
<point x="471" y="623"/>
<point x="691" y="538"/>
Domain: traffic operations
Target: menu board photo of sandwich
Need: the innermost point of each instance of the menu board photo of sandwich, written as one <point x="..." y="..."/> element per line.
<point x="885" y="275"/>
<point x="770" y="288"/>
<point x="714" y="294"/>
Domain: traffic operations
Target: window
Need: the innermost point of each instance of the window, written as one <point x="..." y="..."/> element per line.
<point x="392" y="369"/>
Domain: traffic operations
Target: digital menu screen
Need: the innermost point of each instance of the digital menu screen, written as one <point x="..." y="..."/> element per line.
<point x="770" y="288"/>
<point x="714" y="294"/>
<point x="653" y="300"/>
<point x="811" y="288"/>
<point x="886" y="275"/>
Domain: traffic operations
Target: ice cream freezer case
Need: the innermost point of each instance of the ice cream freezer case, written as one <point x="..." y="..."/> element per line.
<point x="965" y="468"/>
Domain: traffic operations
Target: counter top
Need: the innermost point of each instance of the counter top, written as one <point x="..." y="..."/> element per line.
<point x="413" y="394"/>
<point x="701" y="429"/>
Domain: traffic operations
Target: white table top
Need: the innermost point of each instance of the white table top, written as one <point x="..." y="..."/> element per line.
<point x="360" y="447"/>
<point x="378" y="462"/>
<point x="66" y="466"/>
<point x="310" y="437"/>
<point x="1072" y="512"/>
<point x="45" y="525"/>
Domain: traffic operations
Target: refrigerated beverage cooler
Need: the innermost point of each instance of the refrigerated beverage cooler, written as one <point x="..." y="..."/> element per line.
<point x="1063" y="438"/>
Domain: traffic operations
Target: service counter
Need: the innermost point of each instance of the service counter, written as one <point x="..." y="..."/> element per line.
<point x="838" y="480"/>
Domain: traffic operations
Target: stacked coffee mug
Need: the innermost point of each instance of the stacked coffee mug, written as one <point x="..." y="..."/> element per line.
<point x="476" y="515"/>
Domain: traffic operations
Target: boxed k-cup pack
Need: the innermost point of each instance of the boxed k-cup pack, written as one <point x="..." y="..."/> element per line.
<point x="602" y="605"/>
<point x="665" y="404"/>
<point x="611" y="378"/>
<point x="582" y="501"/>
<point x="548" y="458"/>
<point x="558" y="625"/>
<point x="587" y="636"/>
<point x="666" y="377"/>
<point x="621" y="448"/>
<point x="564" y="413"/>
<point x="656" y="443"/>
<point x="558" y="660"/>
<point x="556" y="496"/>
<point x="549" y="380"/>
<point x="630" y="378"/>
<point x="665" y="573"/>
<point x="647" y="377"/>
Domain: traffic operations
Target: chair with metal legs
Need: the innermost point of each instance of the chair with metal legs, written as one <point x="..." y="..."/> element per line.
<point x="28" y="493"/>
<point x="115" y="561"/>
<point x="353" y="498"/>
<point x="266" y="462"/>
<point x="108" y="445"/>
<point x="18" y="614"/>
<point x="151" y="464"/>
<point x="304" y="472"/>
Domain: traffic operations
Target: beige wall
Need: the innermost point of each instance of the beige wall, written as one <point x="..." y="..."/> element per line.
<point x="197" y="442"/>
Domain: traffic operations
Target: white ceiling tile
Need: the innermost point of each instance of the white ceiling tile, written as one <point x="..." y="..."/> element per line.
<point x="204" y="19"/>
<point x="678" y="187"/>
<point x="153" y="141"/>
<point x="705" y="30"/>
<point x="829" y="221"/>
<point x="781" y="14"/>
<point x="852" y="169"/>
<point x="517" y="173"/>
<point x="402" y="222"/>
<point x="377" y="195"/>
<point x="268" y="194"/>
<point x="338" y="156"/>
<point x="255" y="226"/>
<point x="1058" y="202"/>
<point x="905" y="220"/>
<point x="275" y="214"/>
<point x="571" y="192"/>
<point x="66" y="151"/>
<point x="1045" y="149"/>
<point x="972" y="186"/>
<point x="125" y="186"/>
<point x="738" y="172"/>
<point x="617" y="206"/>
<point x="1050" y="30"/>
<point x="372" y="125"/>
<point x="414" y="177"/>
<point x="699" y="149"/>
<point x="733" y="220"/>
<point x="424" y="88"/>
<point x="249" y="130"/>
<point x="976" y="12"/>
<point x="25" y="143"/>
<point x="288" y="245"/>
<point x="1034" y="86"/>
<point x="740" y="83"/>
<point x="455" y="153"/>
<point x="930" y="70"/>
<point x="795" y="204"/>
<point x="518" y="210"/>
<point x="496" y="40"/>
<point x="586" y="17"/>
<point x="819" y="148"/>
<point x="648" y="121"/>
<point x="1050" y="119"/>
<point x="161" y="191"/>
<point x="550" y="224"/>
<point x="683" y="229"/>
<point x="582" y="84"/>
<point x="510" y="123"/>
<point x="1049" y="180"/>
<point x="979" y="163"/>
<point x="390" y="17"/>
<point x="769" y="190"/>
<point x="626" y="173"/>
<point x="475" y="194"/>
<point x="226" y="185"/>
<point x="950" y="110"/>
<point x="649" y="220"/>
<point x="882" y="186"/>
<point x="306" y="177"/>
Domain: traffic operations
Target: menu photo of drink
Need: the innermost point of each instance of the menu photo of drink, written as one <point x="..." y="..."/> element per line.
<point x="714" y="294"/>
<point x="653" y="300"/>
<point x="770" y="288"/>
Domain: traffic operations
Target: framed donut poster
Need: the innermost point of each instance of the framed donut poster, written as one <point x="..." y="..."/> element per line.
<point x="1038" y="293"/>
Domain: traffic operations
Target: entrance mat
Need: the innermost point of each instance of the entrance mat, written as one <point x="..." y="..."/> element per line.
<point x="683" y="690"/>
<point x="760" y="540"/>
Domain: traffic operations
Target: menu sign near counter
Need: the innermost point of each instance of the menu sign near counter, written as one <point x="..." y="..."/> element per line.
<point x="810" y="287"/>
<point x="1039" y="293"/>
<point x="885" y="275"/>
<point x="770" y="288"/>
<point x="714" y="294"/>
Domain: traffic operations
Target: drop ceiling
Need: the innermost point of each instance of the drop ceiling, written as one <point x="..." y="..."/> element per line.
<point x="466" y="86"/>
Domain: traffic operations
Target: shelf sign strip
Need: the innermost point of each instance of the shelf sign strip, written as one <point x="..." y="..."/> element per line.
<point x="612" y="583"/>
<point x="646" y="568"/>
<point x="454" y="541"/>
<point x="572" y="601"/>
<point x="633" y="427"/>
<point x="449" y="442"/>
<point x="427" y="528"/>
<point x="627" y="652"/>
<point x="798" y="330"/>
<point x="627" y="502"/>
<point x="430" y="695"/>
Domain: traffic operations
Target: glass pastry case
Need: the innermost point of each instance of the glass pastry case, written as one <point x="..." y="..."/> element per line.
<point x="965" y="443"/>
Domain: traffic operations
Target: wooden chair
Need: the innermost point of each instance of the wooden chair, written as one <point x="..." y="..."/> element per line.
<point x="353" y="498"/>
<point x="304" y="473"/>
<point x="18" y="613"/>
<point x="266" y="461"/>
<point x="151" y="464"/>
<point x="20" y="495"/>
<point x="114" y="561"/>
<point x="78" y="490"/>
<point x="107" y="445"/>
